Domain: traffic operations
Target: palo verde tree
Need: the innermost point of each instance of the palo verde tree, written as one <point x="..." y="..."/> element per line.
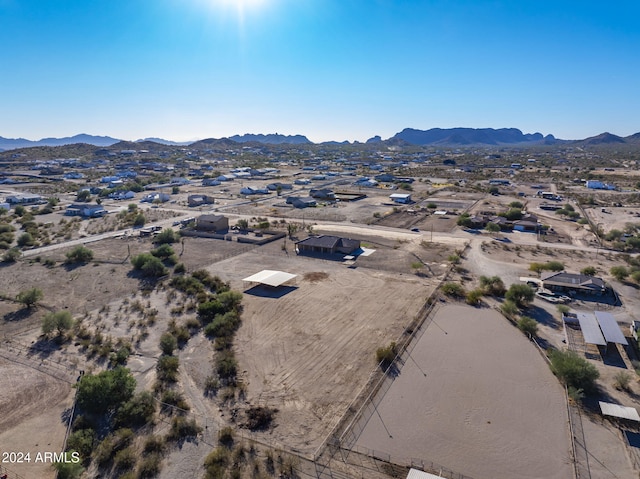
<point x="60" y="321"/>
<point x="520" y="294"/>
<point x="29" y="297"/>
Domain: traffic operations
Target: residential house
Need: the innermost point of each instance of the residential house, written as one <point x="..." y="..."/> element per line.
<point x="327" y="244"/>
<point x="571" y="282"/>
<point x="86" y="210"/>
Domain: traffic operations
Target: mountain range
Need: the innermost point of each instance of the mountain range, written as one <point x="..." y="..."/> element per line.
<point x="446" y="137"/>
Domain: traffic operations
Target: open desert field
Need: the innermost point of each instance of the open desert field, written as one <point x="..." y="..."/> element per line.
<point x="308" y="350"/>
<point x="488" y="406"/>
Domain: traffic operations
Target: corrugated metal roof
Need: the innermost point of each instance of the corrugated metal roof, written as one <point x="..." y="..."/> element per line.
<point x="590" y="329"/>
<point x="610" y="329"/>
<point x="270" y="277"/>
<point x="615" y="410"/>
<point x="415" y="474"/>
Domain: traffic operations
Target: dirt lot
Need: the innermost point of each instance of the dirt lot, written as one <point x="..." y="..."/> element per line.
<point x="488" y="406"/>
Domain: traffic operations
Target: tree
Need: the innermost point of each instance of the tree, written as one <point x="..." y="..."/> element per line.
<point x="29" y="297"/>
<point x="83" y="195"/>
<point x="242" y="224"/>
<point x="520" y="294"/>
<point x="79" y="254"/>
<point x="163" y="251"/>
<point x="492" y="227"/>
<point x="528" y="326"/>
<point x="516" y="204"/>
<point x="589" y="271"/>
<point x="464" y="220"/>
<point x="136" y="411"/>
<point x="619" y="272"/>
<point x="292" y="229"/>
<point x="509" y="308"/>
<point x="513" y="214"/>
<point x="175" y="190"/>
<point x="167" y="236"/>
<point x="573" y="370"/>
<point x="105" y="391"/>
<point x="20" y="210"/>
<point x="139" y="220"/>
<point x="60" y="321"/>
<point x="149" y="265"/>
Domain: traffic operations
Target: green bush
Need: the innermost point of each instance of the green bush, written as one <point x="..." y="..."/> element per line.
<point x="493" y="286"/>
<point x="29" y="297"/>
<point x="79" y="254"/>
<point x="107" y="390"/>
<point x="167" y="369"/>
<point x="167" y="236"/>
<point x="453" y="289"/>
<point x="528" y="326"/>
<point x="573" y="370"/>
<point x="82" y="441"/>
<point x="619" y="272"/>
<point x="216" y="463"/>
<point x="520" y="294"/>
<point x="60" y="321"/>
<point x="168" y="343"/>
<point x="150" y="466"/>
<point x="137" y="411"/>
<point x="149" y="265"/>
<point x="182" y="428"/>
<point x="474" y="297"/>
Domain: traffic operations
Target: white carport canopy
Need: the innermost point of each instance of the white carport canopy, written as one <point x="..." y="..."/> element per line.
<point x="270" y="277"/>
<point x="615" y="410"/>
<point x="591" y="329"/>
<point x="415" y="474"/>
<point x="610" y="328"/>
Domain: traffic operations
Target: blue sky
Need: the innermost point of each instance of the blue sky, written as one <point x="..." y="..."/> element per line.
<point x="327" y="69"/>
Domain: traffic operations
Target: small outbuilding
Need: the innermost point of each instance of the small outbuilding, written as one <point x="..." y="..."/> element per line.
<point x="402" y="198"/>
<point x="212" y="223"/>
<point x="270" y="278"/>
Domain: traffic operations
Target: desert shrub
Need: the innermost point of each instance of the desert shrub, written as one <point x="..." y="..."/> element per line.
<point x="386" y="355"/>
<point x="493" y="286"/>
<point x="163" y="251"/>
<point x="136" y="411"/>
<point x="223" y="325"/>
<point x="154" y="444"/>
<point x="125" y="459"/>
<point x="622" y="381"/>
<point x="82" y="441"/>
<point x="167" y="236"/>
<point x="474" y="297"/>
<point x="216" y="463"/>
<point x="554" y="266"/>
<point x="227" y="366"/>
<point x="168" y="343"/>
<point x="149" y="265"/>
<point x="619" y="272"/>
<point x="509" y="308"/>
<point x="79" y="254"/>
<point x="167" y="369"/>
<point x="150" y="466"/>
<point x="68" y="470"/>
<point x="182" y="428"/>
<point x="226" y="437"/>
<point x="209" y="310"/>
<point x="174" y="398"/>
<point x="12" y="255"/>
<point x="259" y="418"/>
<point x="573" y="370"/>
<point x="589" y="271"/>
<point x="25" y="239"/>
<point x="528" y="326"/>
<point x="179" y="268"/>
<point x="453" y="289"/>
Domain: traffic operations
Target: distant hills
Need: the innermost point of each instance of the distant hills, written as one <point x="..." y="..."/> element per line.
<point x="446" y="137"/>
